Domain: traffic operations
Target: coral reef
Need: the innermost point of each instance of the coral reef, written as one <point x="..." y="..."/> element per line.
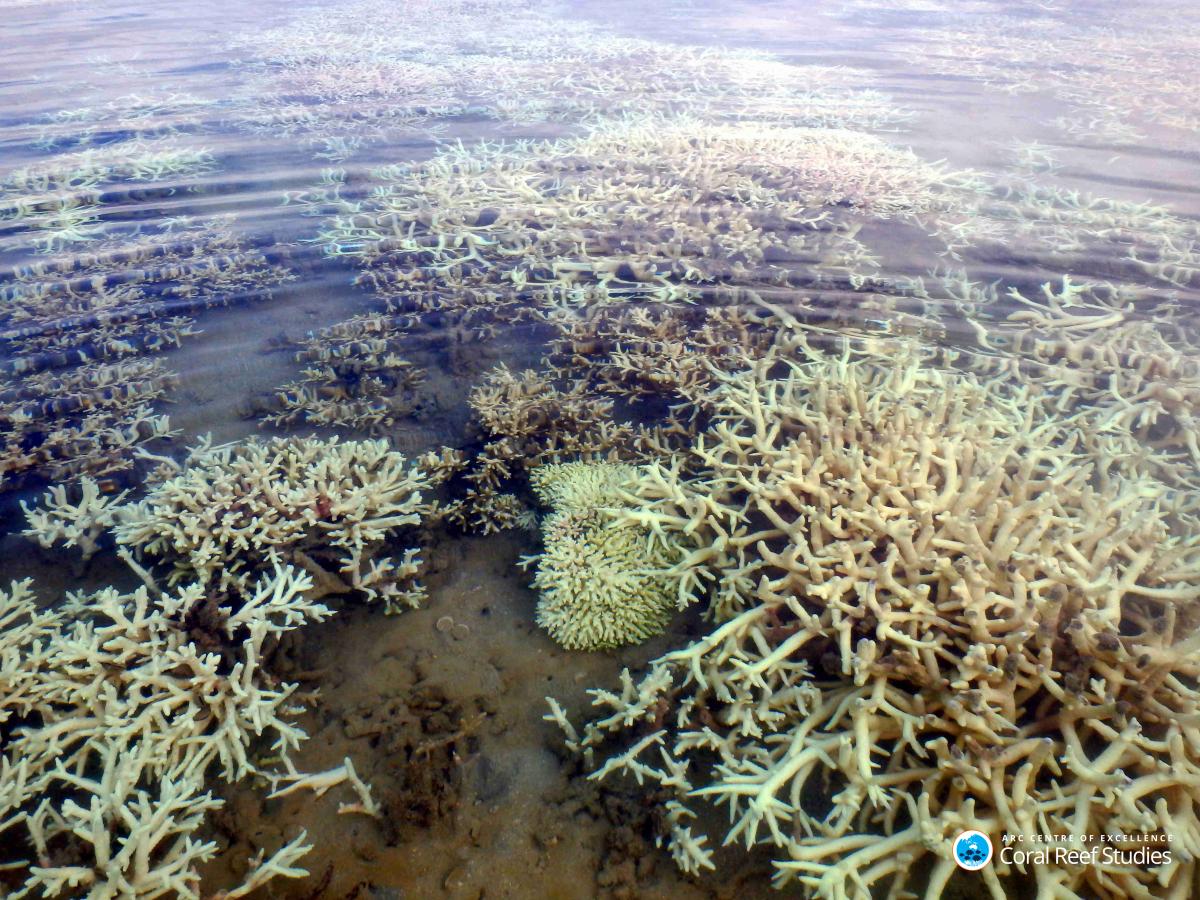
<point x="1097" y="237"/>
<point x="105" y="268"/>
<point x="950" y="582"/>
<point x="928" y="616"/>
<point x="129" y="296"/>
<point x="73" y="523"/>
<point x="647" y="294"/>
<point x="117" y="707"/>
<point x="667" y="353"/>
<point x="86" y="421"/>
<point x="530" y="229"/>
<point x="599" y="586"/>
<point x="142" y="118"/>
<point x="64" y="199"/>
<point x="531" y="418"/>
<point x="1121" y="358"/>
<point x="339" y="80"/>
<point x="1140" y="66"/>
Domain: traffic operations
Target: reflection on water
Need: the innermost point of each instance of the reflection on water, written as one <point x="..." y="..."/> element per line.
<point x="771" y="429"/>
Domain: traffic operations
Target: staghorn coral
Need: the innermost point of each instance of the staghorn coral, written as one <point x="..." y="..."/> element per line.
<point x="143" y="117"/>
<point x="229" y="512"/>
<point x="649" y="294"/>
<point x="113" y="718"/>
<point x="120" y="288"/>
<point x="927" y="617"/>
<point x="77" y="523"/>
<point x="639" y="210"/>
<point x="1139" y="64"/>
<point x="599" y="587"/>
<point x="355" y="378"/>
<point x="118" y="707"/>
<point x="85" y="421"/>
<point x="69" y="198"/>
<point x="531" y="418"/>
<point x="1121" y="359"/>
<point x="128" y="296"/>
<point x="1101" y="238"/>
<point x="602" y="367"/>
<point x="527" y="410"/>
<point x="330" y="75"/>
<point x="663" y="353"/>
<point x="75" y="399"/>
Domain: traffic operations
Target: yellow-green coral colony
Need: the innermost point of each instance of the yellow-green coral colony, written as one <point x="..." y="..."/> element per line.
<point x="601" y="584"/>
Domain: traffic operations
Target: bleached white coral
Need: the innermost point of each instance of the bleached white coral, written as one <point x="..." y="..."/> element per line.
<point x="933" y="611"/>
<point x="118" y="707"/>
<point x="75" y="523"/>
<point x="114" y="720"/>
<point x="324" y="505"/>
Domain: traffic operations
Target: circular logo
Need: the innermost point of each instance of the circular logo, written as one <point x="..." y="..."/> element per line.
<point x="972" y="850"/>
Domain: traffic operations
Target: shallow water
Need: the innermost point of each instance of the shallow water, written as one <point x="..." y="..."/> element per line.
<point x="918" y="171"/>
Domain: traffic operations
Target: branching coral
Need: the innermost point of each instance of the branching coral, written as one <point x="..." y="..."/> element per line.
<point x="926" y="618"/>
<point x="73" y="523"/>
<point x="531" y="418"/>
<point x="156" y="112"/>
<point x="666" y="353"/>
<point x="121" y="288"/>
<point x="1096" y="236"/>
<point x="61" y="201"/>
<point x="519" y="60"/>
<point x="1140" y="64"/>
<point x="229" y="512"/>
<point x="643" y="209"/>
<point x="128" y="296"/>
<point x="1121" y="359"/>
<point x="599" y="585"/>
<point x="117" y="707"/>
<point x="648" y="245"/>
<point x="74" y="399"/>
<point x="355" y="377"/>
<point x="84" y="421"/>
<point x="113" y="717"/>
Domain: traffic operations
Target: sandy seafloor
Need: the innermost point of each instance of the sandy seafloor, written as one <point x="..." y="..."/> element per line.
<point x="480" y="797"/>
